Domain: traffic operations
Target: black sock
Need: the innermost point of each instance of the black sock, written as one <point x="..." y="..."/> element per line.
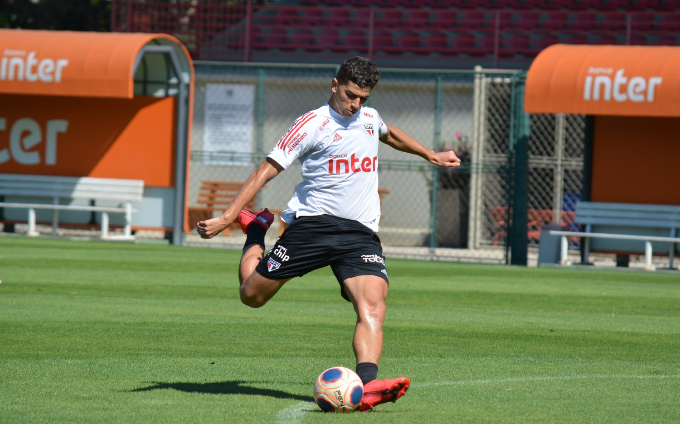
<point x="367" y="372"/>
<point x="254" y="235"/>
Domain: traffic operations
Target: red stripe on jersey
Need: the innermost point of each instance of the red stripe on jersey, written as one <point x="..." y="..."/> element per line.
<point x="301" y="123"/>
<point x="292" y="128"/>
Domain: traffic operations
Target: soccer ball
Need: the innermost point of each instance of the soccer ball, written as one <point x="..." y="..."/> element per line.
<point x="338" y="389"/>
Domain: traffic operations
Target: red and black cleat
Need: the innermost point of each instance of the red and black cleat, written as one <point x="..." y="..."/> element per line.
<point x="381" y="391"/>
<point x="264" y="218"/>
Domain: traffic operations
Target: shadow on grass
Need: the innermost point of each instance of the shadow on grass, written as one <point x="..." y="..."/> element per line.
<point x="222" y="388"/>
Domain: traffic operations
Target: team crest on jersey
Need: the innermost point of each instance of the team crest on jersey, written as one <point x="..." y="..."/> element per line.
<point x="337" y="137"/>
<point x="272" y="265"/>
<point x="369" y="129"/>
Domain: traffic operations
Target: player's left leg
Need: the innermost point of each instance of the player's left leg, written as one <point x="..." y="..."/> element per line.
<point x="368" y="294"/>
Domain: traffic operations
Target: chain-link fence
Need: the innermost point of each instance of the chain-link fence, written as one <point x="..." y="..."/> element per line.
<point x="242" y="110"/>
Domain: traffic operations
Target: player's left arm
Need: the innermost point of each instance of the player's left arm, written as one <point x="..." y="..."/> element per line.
<point x="398" y="139"/>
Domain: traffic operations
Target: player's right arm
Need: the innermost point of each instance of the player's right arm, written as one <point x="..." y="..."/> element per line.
<point x="267" y="170"/>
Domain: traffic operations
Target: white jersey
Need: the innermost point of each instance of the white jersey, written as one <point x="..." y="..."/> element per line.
<point x="339" y="157"/>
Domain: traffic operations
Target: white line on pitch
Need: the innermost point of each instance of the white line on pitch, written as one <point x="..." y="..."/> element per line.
<point x="521" y="379"/>
<point x="294" y="413"/>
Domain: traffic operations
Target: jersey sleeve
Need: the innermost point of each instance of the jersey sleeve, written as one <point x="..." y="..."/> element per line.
<point x="295" y="141"/>
<point x="382" y="128"/>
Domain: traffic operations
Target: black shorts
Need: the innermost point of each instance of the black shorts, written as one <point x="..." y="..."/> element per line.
<point x="313" y="242"/>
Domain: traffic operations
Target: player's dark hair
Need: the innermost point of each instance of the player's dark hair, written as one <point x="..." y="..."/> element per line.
<point x="359" y="70"/>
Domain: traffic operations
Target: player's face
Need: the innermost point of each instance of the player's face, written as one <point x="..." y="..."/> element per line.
<point x="348" y="98"/>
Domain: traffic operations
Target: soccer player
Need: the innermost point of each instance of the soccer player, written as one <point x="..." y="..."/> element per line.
<point x="333" y="216"/>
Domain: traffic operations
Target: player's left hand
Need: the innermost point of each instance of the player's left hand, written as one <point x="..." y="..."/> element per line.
<point x="446" y="159"/>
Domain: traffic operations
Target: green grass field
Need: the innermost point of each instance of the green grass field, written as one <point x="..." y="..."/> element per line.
<point x="111" y="332"/>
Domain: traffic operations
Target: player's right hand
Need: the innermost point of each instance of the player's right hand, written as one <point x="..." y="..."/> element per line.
<point x="211" y="227"/>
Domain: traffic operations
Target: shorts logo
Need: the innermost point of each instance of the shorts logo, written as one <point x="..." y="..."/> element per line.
<point x="272" y="265"/>
<point x="373" y="258"/>
<point x="281" y="252"/>
<point x="337" y="137"/>
<point x="384" y="271"/>
<point x="369" y="129"/>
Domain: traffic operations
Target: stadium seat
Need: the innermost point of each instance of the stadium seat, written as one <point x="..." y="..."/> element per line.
<point x="356" y="40"/>
<point x="553" y="20"/>
<point x="605" y="39"/>
<point x="637" y="39"/>
<point x="464" y="43"/>
<point x="273" y="38"/>
<point x="573" y="38"/>
<point x="544" y="41"/>
<point x="583" y="21"/>
<point x="389" y="18"/>
<point x="617" y="5"/>
<point x="302" y="39"/>
<point x="669" y="22"/>
<point x="436" y="43"/>
<point x="444" y="20"/>
<point x="383" y="41"/>
<point x="520" y="20"/>
<point x="517" y="45"/>
<point x="286" y="16"/>
<point x="485" y="44"/>
<point x="409" y="42"/>
<point x="343" y="17"/>
<point x="417" y="19"/>
<point x="662" y="40"/>
<point x="328" y="39"/>
<point x="473" y="19"/>
<point x="611" y="22"/>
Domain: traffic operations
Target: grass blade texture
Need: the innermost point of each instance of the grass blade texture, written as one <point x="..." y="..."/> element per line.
<point x="117" y="332"/>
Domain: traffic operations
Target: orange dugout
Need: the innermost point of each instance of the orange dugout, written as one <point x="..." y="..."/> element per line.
<point x="107" y="105"/>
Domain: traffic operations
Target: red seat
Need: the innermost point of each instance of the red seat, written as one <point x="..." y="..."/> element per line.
<point x="606" y="39"/>
<point x="436" y="43"/>
<point x="518" y="44"/>
<point x="485" y="44"/>
<point x="418" y="19"/>
<point x="545" y="41"/>
<point x="637" y="39"/>
<point x="670" y="22"/>
<point x="328" y="39"/>
<point x="553" y="21"/>
<point x="474" y="19"/>
<point x="383" y="41"/>
<point x="463" y="43"/>
<point x="663" y="40"/>
<point x="409" y="41"/>
<point x="389" y="18"/>
<point x="611" y="22"/>
<point x="574" y="38"/>
<point x="273" y="38"/>
<point x="520" y="20"/>
<point x="356" y="40"/>
<point x="302" y="39"/>
<point x="286" y="16"/>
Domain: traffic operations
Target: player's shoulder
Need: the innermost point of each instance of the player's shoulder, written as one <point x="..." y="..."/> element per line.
<point x="310" y="118"/>
<point x="368" y="114"/>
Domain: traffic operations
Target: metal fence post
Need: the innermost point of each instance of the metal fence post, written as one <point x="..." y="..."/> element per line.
<point x="519" y="227"/>
<point x="435" y="170"/>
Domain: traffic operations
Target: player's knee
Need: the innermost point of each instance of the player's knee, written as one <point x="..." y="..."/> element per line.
<point x="252" y="300"/>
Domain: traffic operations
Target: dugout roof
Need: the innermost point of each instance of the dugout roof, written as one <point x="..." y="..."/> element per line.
<point x="88" y="64"/>
<point x="605" y="80"/>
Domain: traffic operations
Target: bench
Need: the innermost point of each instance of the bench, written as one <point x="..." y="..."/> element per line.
<point x="31" y="191"/>
<point x="624" y="228"/>
<point x="215" y="196"/>
<point x="536" y="219"/>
